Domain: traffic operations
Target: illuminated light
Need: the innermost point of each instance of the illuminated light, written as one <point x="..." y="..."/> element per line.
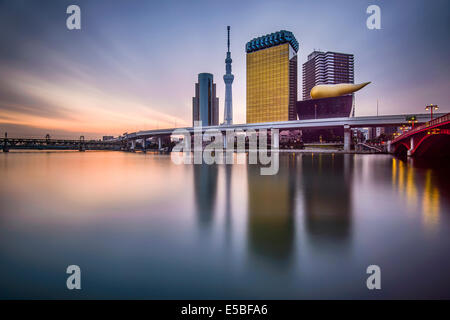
<point x="411" y="190"/>
<point x="401" y="181"/>
<point x="394" y="171"/>
<point x="430" y="203"/>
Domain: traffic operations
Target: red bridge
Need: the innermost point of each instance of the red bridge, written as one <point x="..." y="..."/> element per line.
<point x="430" y="139"/>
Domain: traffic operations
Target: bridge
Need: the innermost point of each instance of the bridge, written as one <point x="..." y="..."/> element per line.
<point x="346" y="123"/>
<point x="130" y="141"/>
<point x="429" y="139"/>
<point x="59" y="144"/>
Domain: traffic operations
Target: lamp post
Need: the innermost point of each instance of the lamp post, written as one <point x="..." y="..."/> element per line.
<point x="412" y="120"/>
<point x="431" y="107"/>
<point x="403" y="128"/>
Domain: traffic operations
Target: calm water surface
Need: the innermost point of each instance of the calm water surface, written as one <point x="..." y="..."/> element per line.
<point x="140" y="226"/>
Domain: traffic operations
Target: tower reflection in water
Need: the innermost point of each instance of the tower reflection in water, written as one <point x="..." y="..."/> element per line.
<point x="228" y="207"/>
<point x="327" y="198"/>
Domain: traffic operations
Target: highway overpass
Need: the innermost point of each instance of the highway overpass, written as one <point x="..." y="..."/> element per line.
<point x="353" y="122"/>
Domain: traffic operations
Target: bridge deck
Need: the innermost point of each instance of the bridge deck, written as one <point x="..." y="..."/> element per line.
<point x="429" y="124"/>
<point x="354" y="122"/>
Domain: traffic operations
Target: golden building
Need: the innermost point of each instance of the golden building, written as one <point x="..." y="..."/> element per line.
<point x="272" y="77"/>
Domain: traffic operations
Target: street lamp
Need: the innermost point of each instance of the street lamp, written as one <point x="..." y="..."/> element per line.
<point x="412" y="120"/>
<point x="403" y="128"/>
<point x="431" y="107"/>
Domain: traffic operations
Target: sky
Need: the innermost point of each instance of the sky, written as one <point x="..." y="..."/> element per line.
<point x="134" y="64"/>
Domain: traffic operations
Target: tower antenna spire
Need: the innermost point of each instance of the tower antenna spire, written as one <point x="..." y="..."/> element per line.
<point x="228" y="79"/>
<point x="228" y="29"/>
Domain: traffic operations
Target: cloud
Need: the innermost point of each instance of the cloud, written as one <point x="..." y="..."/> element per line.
<point x="74" y="105"/>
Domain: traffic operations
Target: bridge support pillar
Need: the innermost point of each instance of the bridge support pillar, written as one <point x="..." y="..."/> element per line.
<point x="347" y="137"/>
<point x="389" y="147"/>
<point x="224" y="138"/>
<point x="411" y="146"/>
<point x="133" y="145"/>
<point x="144" y="150"/>
<point x="159" y="143"/>
<point x="275" y="139"/>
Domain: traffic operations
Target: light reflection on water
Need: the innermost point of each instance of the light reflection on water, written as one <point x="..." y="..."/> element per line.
<point x="140" y="226"/>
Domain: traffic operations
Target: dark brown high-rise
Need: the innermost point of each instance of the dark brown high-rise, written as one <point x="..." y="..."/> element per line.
<point x="327" y="68"/>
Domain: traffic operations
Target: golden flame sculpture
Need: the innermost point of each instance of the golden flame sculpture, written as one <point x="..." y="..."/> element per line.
<point x="335" y="90"/>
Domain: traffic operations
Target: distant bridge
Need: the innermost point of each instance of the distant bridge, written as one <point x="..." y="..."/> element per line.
<point x="429" y="139"/>
<point x="59" y="144"/>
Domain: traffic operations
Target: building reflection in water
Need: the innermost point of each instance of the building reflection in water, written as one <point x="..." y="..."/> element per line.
<point x="271" y="211"/>
<point x="327" y="197"/>
<point x="205" y="193"/>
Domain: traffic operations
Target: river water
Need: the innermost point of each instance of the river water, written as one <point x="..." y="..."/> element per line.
<point x="140" y="226"/>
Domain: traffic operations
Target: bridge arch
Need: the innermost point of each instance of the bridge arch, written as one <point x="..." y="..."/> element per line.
<point x="433" y="145"/>
<point x="401" y="149"/>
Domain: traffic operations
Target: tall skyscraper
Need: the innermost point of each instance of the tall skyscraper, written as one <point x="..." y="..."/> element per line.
<point x="228" y="78"/>
<point x="326" y="68"/>
<point x="272" y="77"/>
<point x="205" y="104"/>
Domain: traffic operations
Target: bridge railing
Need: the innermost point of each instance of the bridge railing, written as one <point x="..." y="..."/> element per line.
<point x="427" y="124"/>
